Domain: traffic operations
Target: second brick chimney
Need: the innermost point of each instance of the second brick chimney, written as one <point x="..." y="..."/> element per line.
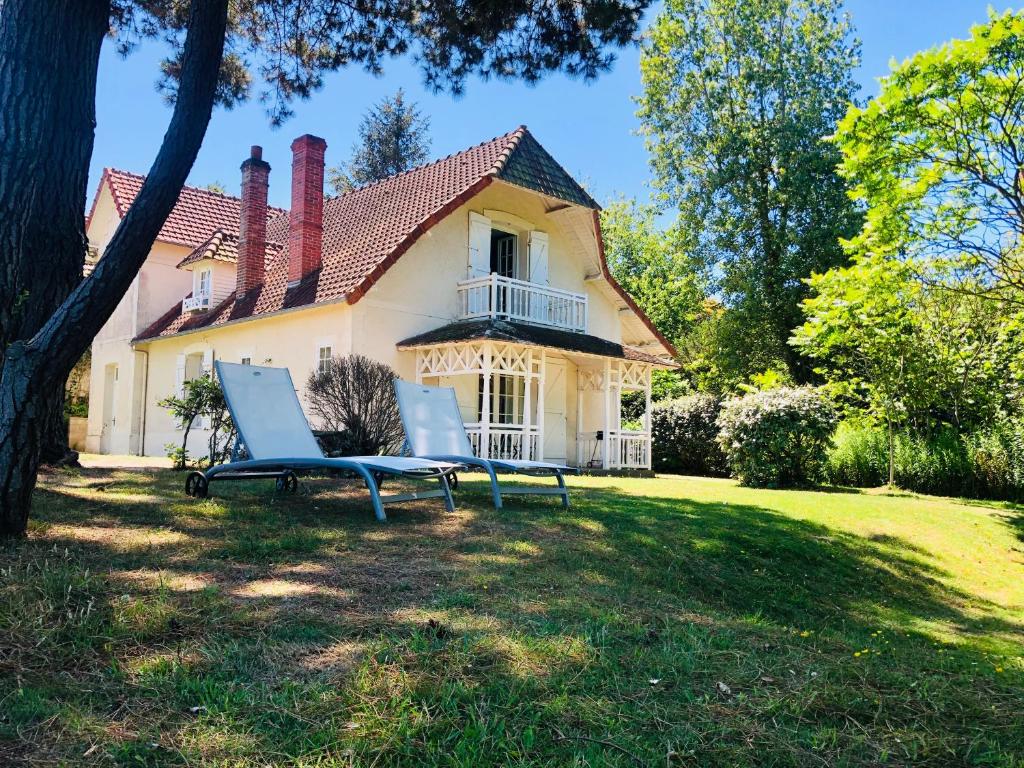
<point x="252" y="241"/>
<point x="306" y="227"/>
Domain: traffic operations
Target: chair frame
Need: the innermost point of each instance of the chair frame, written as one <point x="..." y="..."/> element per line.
<point x="494" y="466"/>
<point x="285" y="470"/>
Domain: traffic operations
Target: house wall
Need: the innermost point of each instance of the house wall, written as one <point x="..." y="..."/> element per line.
<point x="290" y="340"/>
<point x="113" y="421"/>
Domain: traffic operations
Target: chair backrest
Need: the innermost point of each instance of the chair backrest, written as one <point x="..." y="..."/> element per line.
<point x="433" y="424"/>
<point x="266" y="412"/>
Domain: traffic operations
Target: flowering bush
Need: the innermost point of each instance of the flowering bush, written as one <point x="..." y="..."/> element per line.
<point x="684" y="436"/>
<point x="777" y="437"/>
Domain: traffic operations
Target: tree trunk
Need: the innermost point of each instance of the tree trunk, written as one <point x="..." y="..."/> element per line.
<point x="49" y="53"/>
<point x="892" y="455"/>
<point x="66" y="333"/>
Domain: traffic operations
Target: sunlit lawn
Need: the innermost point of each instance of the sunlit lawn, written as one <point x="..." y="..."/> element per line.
<point x="661" y="622"/>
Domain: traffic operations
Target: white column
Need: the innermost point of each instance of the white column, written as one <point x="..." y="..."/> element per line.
<point x="527" y="402"/>
<point x="541" y="384"/>
<point x="419" y="366"/>
<point x="606" y="448"/>
<point x="647" y="415"/>
<point x="485" y="404"/>
<point x="581" y="457"/>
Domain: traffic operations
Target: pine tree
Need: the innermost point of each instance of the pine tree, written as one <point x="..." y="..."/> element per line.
<point x="393" y="137"/>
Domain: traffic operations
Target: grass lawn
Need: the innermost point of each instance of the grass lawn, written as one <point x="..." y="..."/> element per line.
<point x="660" y="622"/>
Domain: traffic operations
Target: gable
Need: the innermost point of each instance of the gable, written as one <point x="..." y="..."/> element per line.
<point x="532" y="167"/>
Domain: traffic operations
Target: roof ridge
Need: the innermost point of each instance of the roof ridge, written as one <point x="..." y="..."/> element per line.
<point x="513" y="136"/>
<point x="514" y="139"/>
<point x="200" y="190"/>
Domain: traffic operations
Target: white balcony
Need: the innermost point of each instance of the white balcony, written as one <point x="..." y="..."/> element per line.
<point x="199" y="303"/>
<point x="511" y="299"/>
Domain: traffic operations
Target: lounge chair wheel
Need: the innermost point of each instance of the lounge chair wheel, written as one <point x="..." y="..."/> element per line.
<point x="196" y="485"/>
<point x="453" y="481"/>
<point x="288" y="482"/>
<point x="378" y="478"/>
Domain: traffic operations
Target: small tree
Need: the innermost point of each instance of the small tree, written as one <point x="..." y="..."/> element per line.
<point x="202" y="398"/>
<point x="393" y="137"/>
<point x="356" y="395"/>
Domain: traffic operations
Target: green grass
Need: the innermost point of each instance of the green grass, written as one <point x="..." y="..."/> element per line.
<point x="669" y="621"/>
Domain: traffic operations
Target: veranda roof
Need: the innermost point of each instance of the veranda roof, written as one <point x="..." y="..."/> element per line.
<point x="533" y="335"/>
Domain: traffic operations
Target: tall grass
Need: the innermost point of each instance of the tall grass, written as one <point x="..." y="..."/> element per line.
<point x="984" y="464"/>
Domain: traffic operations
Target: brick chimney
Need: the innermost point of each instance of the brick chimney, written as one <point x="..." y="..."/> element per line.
<point x="306" y="227"/>
<point x="252" y="242"/>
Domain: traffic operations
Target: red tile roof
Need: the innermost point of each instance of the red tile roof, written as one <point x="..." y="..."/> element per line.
<point x="365" y="230"/>
<point x="194" y="217"/>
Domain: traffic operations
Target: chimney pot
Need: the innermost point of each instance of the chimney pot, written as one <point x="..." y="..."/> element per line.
<point x="306" y="222"/>
<point x="256" y="152"/>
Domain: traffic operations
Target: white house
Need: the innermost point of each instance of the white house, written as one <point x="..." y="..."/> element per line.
<point x="484" y="271"/>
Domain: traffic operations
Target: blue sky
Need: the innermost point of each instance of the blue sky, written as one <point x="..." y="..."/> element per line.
<point x="589" y="128"/>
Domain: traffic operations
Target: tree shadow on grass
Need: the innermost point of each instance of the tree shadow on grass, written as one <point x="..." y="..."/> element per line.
<point x="253" y="605"/>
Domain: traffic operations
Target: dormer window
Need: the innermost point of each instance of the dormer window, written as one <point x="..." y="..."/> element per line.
<point x="202" y="281"/>
<point x="202" y="291"/>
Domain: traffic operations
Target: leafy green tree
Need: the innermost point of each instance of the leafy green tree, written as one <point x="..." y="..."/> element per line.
<point x="860" y="325"/>
<point x="938" y="159"/>
<point x="652" y="265"/>
<point x="48" y="313"/>
<point x="737" y="99"/>
<point x="393" y="137"/>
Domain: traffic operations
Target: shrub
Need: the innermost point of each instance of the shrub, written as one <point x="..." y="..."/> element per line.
<point x="777" y="437"/>
<point x="684" y="436"/>
<point x="202" y="399"/>
<point x="988" y="463"/>
<point x="356" y="395"/>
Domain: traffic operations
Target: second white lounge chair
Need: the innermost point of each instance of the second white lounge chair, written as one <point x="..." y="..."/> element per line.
<point x="434" y="430"/>
<point x="279" y="442"/>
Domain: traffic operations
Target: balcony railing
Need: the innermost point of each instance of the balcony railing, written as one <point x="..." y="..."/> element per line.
<point x="504" y="441"/>
<point x="199" y="303"/>
<point x="511" y="299"/>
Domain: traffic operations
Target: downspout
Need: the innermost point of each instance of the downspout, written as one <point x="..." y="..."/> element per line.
<point x="145" y="395"/>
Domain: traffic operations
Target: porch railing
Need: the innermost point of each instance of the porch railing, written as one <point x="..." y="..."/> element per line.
<point x="511" y="299"/>
<point x="505" y="441"/>
<point x="627" y="449"/>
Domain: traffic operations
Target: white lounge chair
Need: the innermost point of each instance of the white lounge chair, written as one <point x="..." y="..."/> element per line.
<point x="277" y="438"/>
<point x="434" y="430"/>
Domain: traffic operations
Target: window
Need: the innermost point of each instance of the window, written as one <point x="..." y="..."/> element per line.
<point x="246" y="361"/>
<point x="204" y="283"/>
<point x="323" y="359"/>
<point x="503" y="253"/>
<point x="508" y="397"/>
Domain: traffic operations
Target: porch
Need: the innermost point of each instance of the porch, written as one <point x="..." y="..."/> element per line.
<point x="521" y="401"/>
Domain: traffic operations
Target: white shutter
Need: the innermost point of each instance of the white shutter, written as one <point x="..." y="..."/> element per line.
<point x="539" y="257"/>
<point x="479" y="245"/>
<point x="203" y="422"/>
<point x="179" y="377"/>
<point x="179" y="383"/>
